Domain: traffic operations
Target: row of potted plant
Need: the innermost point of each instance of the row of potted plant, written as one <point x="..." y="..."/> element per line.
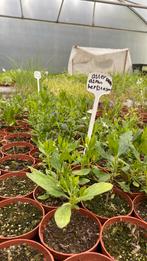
<point x="82" y="234"/>
<point x="117" y="147"/>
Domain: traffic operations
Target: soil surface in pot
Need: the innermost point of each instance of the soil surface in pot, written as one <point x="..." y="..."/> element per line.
<point x="126" y="242"/>
<point x="15" y="129"/>
<point x="79" y="235"/>
<point x="18" y="218"/>
<point x="15" y="165"/>
<point x="18" y="150"/>
<point x="49" y="201"/>
<point x="108" y="205"/>
<point x="141" y="209"/>
<point x="15" y="186"/>
<point x="19" y="138"/>
<point x="21" y="252"/>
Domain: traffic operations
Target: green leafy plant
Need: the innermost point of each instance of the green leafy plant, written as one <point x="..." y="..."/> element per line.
<point x="67" y="185"/>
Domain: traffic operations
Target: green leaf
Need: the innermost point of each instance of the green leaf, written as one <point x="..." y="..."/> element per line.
<point x="83" y="181"/>
<point x="101" y="176"/>
<point x="143" y="145"/>
<point x="135" y="184"/>
<point x="125" y="187"/>
<point x="46" y="182"/>
<point x="44" y="196"/>
<point x="62" y="215"/>
<point x="55" y="161"/>
<point x="113" y="142"/>
<point x="94" y="190"/>
<point x="124" y="142"/>
<point x="135" y="152"/>
<point x="81" y="172"/>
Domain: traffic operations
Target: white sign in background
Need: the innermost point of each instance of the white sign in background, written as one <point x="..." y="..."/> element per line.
<point x="98" y="84"/>
<point x="37" y="76"/>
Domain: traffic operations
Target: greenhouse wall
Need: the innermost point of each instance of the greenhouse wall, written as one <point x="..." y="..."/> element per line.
<point x="47" y="45"/>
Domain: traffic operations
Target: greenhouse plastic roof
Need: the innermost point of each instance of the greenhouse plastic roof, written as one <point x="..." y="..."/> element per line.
<point x="80" y="12"/>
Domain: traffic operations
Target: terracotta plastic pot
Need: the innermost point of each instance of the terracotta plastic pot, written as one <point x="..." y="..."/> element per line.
<point x="133" y="195"/>
<point x="143" y="116"/>
<point x="19" y="174"/>
<point x="22" y="122"/>
<point x="89" y="257"/>
<point x="46" y="207"/>
<point x="21" y="135"/>
<point x="20" y="144"/>
<point x="31" y="243"/>
<point x="20" y="157"/>
<point x="3" y="132"/>
<point x="137" y="201"/>
<point x="31" y="234"/>
<point x="123" y="195"/>
<point x="34" y="153"/>
<point x="14" y="129"/>
<point x="61" y="255"/>
<point x="114" y="220"/>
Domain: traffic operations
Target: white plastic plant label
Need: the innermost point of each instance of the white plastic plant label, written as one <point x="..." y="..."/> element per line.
<point x="98" y="84"/>
<point x="37" y="76"/>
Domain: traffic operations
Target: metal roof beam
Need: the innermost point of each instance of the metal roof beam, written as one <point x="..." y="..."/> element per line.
<point x="127" y="4"/>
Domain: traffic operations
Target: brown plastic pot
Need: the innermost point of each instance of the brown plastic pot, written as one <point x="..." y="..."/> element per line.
<point x="133" y="195"/>
<point x="14" y="129"/>
<point x="137" y="201"/>
<point x="34" y="153"/>
<point x="89" y="257"/>
<point x="19" y="174"/>
<point x="21" y="157"/>
<point x="33" y="244"/>
<point x="114" y="220"/>
<point x="31" y="234"/>
<point x="21" y="144"/>
<point x="3" y="132"/>
<point x="22" y="122"/>
<point x="123" y="195"/>
<point x="143" y="116"/>
<point x="21" y="135"/>
<point x="46" y="207"/>
<point x="61" y="255"/>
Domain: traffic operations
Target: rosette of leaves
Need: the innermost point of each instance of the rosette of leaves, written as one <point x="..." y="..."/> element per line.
<point x="67" y="184"/>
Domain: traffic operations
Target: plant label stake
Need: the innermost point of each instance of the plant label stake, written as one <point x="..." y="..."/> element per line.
<point x="37" y="76"/>
<point x="98" y="84"/>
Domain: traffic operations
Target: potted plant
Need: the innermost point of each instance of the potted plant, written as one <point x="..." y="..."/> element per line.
<point x="20" y="147"/>
<point x="20" y="218"/>
<point x="15" y="137"/>
<point x="24" y="249"/>
<point x="16" y="163"/>
<point x="124" y="238"/>
<point x="66" y="184"/>
<point x="134" y="175"/>
<point x="115" y="202"/>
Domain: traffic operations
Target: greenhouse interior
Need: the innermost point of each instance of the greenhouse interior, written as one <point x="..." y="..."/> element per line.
<point x="73" y="130"/>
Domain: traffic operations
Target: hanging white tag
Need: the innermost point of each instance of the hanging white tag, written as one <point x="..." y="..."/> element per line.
<point x="98" y="84"/>
<point x="37" y="76"/>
